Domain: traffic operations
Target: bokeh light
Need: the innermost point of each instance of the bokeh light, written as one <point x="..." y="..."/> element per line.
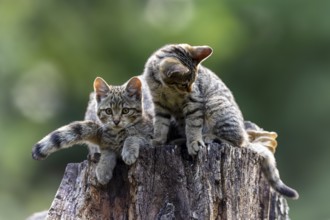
<point x="169" y="15"/>
<point x="38" y="93"/>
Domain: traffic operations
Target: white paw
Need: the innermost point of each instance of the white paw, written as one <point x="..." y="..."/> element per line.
<point x="103" y="175"/>
<point x="129" y="157"/>
<point x="195" y="146"/>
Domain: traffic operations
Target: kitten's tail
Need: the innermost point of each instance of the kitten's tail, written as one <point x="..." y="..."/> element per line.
<point x="78" y="132"/>
<point x="268" y="165"/>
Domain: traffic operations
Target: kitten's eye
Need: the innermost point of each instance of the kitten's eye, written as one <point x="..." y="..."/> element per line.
<point x="125" y="110"/>
<point x="108" y="111"/>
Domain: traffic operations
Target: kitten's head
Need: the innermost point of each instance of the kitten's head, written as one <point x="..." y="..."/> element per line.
<point x="177" y="65"/>
<point x="118" y="106"/>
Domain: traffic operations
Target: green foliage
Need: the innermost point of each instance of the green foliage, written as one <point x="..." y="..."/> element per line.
<point x="274" y="55"/>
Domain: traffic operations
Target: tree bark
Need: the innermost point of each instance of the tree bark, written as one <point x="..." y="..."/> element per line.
<point x="222" y="182"/>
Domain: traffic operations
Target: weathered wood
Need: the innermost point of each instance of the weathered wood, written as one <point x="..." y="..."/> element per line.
<point x="222" y="182"/>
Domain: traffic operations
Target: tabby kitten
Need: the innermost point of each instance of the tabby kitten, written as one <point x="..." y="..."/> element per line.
<point x="117" y="125"/>
<point x="201" y="104"/>
<point x="193" y="96"/>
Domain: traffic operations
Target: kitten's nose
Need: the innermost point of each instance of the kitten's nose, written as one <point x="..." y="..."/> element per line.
<point x="116" y="122"/>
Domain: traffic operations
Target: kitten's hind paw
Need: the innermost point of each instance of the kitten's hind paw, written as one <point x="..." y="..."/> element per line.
<point x="129" y="157"/>
<point x="195" y="146"/>
<point x="103" y="175"/>
<point x="37" y="153"/>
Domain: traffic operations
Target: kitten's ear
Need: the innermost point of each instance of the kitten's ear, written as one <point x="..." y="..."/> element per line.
<point x="101" y="88"/>
<point x="133" y="87"/>
<point x="200" y="53"/>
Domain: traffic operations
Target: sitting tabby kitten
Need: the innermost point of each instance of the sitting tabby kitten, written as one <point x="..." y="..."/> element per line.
<point x="119" y="126"/>
<point x="201" y="104"/>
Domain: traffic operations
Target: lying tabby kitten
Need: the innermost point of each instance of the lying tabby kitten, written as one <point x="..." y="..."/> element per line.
<point x="118" y="125"/>
<point x="201" y="104"/>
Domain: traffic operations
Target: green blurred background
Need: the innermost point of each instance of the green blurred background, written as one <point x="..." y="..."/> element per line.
<point x="274" y="55"/>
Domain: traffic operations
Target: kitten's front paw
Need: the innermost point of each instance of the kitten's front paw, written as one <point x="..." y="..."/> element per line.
<point x="129" y="157"/>
<point x="103" y="175"/>
<point x="195" y="146"/>
<point x="37" y="152"/>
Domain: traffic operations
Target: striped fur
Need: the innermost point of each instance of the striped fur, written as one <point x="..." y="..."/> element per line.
<point x="195" y="97"/>
<point x="117" y="125"/>
<point x="77" y="132"/>
<point x="192" y="95"/>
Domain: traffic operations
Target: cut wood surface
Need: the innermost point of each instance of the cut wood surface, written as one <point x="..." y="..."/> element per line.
<point x="221" y="182"/>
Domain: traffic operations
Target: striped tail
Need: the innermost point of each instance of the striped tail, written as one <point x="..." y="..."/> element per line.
<point x="268" y="165"/>
<point x="74" y="133"/>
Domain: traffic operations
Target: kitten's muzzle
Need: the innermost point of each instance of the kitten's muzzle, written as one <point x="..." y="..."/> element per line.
<point x="116" y="122"/>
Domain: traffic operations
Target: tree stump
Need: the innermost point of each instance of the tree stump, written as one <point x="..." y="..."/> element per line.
<point x="221" y="182"/>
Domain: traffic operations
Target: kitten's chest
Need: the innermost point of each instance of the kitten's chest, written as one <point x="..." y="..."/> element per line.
<point x="172" y="100"/>
<point x="112" y="139"/>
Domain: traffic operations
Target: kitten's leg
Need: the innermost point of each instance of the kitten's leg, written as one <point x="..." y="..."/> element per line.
<point x="194" y="126"/>
<point x="130" y="151"/>
<point x="94" y="152"/>
<point x="105" y="166"/>
<point x="227" y="121"/>
<point x="162" y="122"/>
<point x="64" y="137"/>
<point x="231" y="130"/>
